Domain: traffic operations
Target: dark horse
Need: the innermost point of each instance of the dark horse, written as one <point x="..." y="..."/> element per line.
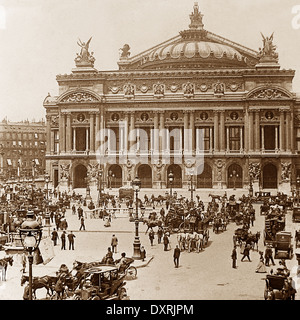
<point x="253" y="239"/>
<point x="152" y="224"/>
<point x="47" y="282"/>
<point x="4" y="264"/>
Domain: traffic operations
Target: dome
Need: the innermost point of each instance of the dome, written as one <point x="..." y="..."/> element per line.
<point x="191" y="49"/>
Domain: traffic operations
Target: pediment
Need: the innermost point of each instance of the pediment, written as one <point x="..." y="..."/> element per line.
<point x="80" y="96"/>
<point x="269" y="93"/>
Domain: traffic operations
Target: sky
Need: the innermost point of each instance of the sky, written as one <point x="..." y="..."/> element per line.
<point x="39" y="38"/>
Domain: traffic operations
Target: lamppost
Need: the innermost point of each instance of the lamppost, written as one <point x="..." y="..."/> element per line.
<point x="136" y="184"/>
<point x="30" y="234"/>
<point x="192" y="188"/>
<point x="171" y="179"/>
<point x="298" y="188"/>
<point x="234" y="176"/>
<point x="100" y="172"/>
<point x="47" y="215"/>
<point x="109" y="179"/>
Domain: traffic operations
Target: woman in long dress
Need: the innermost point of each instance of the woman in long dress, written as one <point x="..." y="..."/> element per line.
<point x="261" y="267"/>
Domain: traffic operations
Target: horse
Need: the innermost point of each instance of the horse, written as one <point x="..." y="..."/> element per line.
<point x="152" y="224"/>
<point x="4" y="264"/>
<point x="47" y="282"/>
<point x="181" y="238"/>
<point x="253" y="239"/>
<point x="195" y="241"/>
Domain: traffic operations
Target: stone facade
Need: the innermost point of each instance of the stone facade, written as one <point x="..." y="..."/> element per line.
<point x="196" y="104"/>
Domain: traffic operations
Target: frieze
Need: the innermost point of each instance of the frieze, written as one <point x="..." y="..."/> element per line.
<point x="268" y="94"/>
<point x="79" y="97"/>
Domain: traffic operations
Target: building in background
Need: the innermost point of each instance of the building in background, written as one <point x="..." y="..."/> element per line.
<point x="197" y="105"/>
<point x="22" y="150"/>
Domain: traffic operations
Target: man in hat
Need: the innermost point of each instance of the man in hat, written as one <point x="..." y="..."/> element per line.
<point x="114" y="243"/>
<point x="71" y="237"/>
<point x="176" y="256"/>
<point x="234" y="257"/>
<point x="63" y="240"/>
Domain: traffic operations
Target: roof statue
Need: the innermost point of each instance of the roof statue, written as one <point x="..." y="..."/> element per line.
<point x="267" y="53"/>
<point x="196" y="18"/>
<point x="85" y="58"/>
<point x="125" y="53"/>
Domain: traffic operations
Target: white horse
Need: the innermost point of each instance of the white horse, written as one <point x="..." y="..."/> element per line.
<point x="181" y="239"/>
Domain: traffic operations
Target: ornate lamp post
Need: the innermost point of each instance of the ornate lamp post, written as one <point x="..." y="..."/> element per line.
<point x="234" y="176"/>
<point x="30" y="234"/>
<point x="192" y="188"/>
<point x="47" y="215"/>
<point x="136" y="184"/>
<point x="298" y="188"/>
<point x="100" y="172"/>
<point x="109" y="179"/>
<point x="171" y="179"/>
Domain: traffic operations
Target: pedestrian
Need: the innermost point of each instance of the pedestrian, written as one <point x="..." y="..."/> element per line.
<point x="261" y="268"/>
<point x="64" y="224"/>
<point x="54" y="237"/>
<point x="246" y="253"/>
<point x="166" y="242"/>
<point x="82" y="225"/>
<point x="176" y="256"/>
<point x="24" y="260"/>
<point x="114" y="243"/>
<point x="271" y="255"/>
<point x="160" y="233"/>
<point x="151" y="236"/>
<point x="63" y="240"/>
<point x="71" y="237"/>
<point x="80" y="212"/>
<point x="143" y="253"/>
<point x="234" y="238"/>
<point x="234" y="257"/>
<point x="73" y="209"/>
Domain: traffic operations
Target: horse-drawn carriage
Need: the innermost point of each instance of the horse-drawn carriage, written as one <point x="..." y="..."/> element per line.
<point x="278" y="287"/>
<point x="283" y="245"/>
<point x="273" y="223"/>
<point x="219" y="224"/>
<point x="296" y="214"/>
<point x="244" y="235"/>
<point x="126" y="193"/>
<point x="102" y="283"/>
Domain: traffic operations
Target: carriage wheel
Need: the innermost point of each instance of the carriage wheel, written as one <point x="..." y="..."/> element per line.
<point x="131" y="273"/>
<point x="122" y="294"/>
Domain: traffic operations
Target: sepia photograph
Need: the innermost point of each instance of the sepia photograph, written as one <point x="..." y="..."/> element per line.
<point x="150" y="151"/>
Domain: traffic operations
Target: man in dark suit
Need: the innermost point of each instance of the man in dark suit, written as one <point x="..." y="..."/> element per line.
<point x="176" y="256"/>
<point x="234" y="257"/>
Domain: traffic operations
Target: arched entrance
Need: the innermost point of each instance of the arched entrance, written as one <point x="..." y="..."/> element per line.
<point x="204" y="180"/>
<point x="177" y="172"/>
<point x="235" y="176"/>
<point x="115" y="176"/>
<point x="80" y="174"/>
<point x="270" y="176"/>
<point x="144" y="172"/>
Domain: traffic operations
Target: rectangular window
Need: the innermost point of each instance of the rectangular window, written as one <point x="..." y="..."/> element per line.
<point x="203" y="138"/>
<point x="234" y="138"/>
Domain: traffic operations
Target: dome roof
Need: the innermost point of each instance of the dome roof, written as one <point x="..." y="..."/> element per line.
<point x="190" y="49"/>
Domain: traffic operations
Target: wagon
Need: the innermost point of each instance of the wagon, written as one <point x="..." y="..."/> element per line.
<point x="283" y="245"/>
<point x="296" y="214"/>
<point x="102" y="283"/>
<point x="274" y="283"/>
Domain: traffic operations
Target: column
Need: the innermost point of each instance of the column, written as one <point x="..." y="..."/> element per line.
<point x="257" y="131"/>
<point x="241" y="140"/>
<point x="210" y="139"/>
<point x="246" y="131"/>
<point x="288" y="131"/>
<point x="162" y="131"/>
<point x="192" y="131"/>
<point x="251" y="132"/>
<point x="74" y="139"/>
<point x="276" y="138"/>
<point x="222" y="130"/>
<point x="292" y="134"/>
<point x="52" y="142"/>
<point x="262" y="138"/>
<point x="62" y="128"/>
<point x="126" y="123"/>
<point x="102" y="135"/>
<point x="97" y="133"/>
<point x="48" y="136"/>
<point x="281" y="131"/>
<point x="185" y="131"/>
<point x="227" y="139"/>
<point x="131" y="130"/>
<point x="87" y="139"/>
<point x="216" y="131"/>
<point x="92" y="132"/>
<point x="68" y="133"/>
<point x="156" y="133"/>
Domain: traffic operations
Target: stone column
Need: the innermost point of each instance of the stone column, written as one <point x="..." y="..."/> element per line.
<point x="276" y="138"/>
<point x="288" y="131"/>
<point x="292" y="134"/>
<point x="156" y="133"/>
<point x="216" y="131"/>
<point x="126" y="123"/>
<point x="222" y="131"/>
<point x="68" y="133"/>
<point x="257" y="131"/>
<point x="251" y="132"/>
<point x="281" y="131"/>
<point x="92" y="132"/>
<point x="262" y="138"/>
<point x="210" y="140"/>
<point x="162" y="146"/>
<point x="62" y="128"/>
<point x="192" y="131"/>
<point x="52" y="142"/>
<point x="48" y="135"/>
<point x="97" y="133"/>
<point x="185" y="131"/>
<point x="131" y="130"/>
<point x="74" y="139"/>
<point x="87" y="139"/>
<point x="227" y="139"/>
<point x="246" y="131"/>
<point x="102" y="127"/>
<point x="241" y="140"/>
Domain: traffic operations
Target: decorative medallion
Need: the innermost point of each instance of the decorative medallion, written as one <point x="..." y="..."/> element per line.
<point x="115" y="117"/>
<point x="203" y="87"/>
<point x="143" y="88"/>
<point x="173" y="87"/>
<point x="234" y="115"/>
<point x="144" y="116"/>
<point x="269" y="115"/>
<point x="114" y="89"/>
<point x="174" y="116"/>
<point x="81" y="117"/>
<point x="204" y="115"/>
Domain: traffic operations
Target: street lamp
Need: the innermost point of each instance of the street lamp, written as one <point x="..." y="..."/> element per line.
<point x="109" y="179"/>
<point x="100" y="172"/>
<point x="30" y="234"/>
<point x="47" y="215"/>
<point x="192" y="188"/>
<point x="136" y="184"/>
<point x="234" y="176"/>
<point x="171" y="179"/>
